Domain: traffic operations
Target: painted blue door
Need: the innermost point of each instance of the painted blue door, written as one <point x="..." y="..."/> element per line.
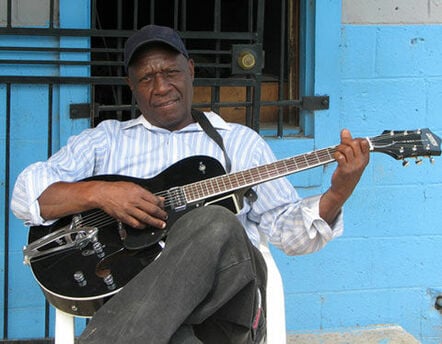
<point x="34" y="122"/>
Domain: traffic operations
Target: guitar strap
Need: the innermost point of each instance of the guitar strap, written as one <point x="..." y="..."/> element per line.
<point x="208" y="128"/>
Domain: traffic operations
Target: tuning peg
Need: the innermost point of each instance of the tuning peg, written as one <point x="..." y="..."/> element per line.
<point x="404" y="163"/>
<point x="418" y="161"/>
<point x="431" y="159"/>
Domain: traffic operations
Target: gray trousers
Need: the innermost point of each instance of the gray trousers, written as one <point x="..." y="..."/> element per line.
<point x="202" y="289"/>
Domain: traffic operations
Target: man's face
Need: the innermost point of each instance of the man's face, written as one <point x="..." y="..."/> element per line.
<point x="161" y="80"/>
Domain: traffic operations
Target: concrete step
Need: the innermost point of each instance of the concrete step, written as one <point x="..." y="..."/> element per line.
<point x="381" y="334"/>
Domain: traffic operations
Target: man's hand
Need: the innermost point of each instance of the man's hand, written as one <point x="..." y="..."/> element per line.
<point x="132" y="204"/>
<point x="352" y="156"/>
<point x="127" y="202"/>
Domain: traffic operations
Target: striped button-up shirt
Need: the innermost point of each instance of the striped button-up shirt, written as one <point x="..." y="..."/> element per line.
<point x="138" y="149"/>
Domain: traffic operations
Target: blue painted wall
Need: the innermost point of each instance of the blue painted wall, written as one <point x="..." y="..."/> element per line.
<point x="386" y="269"/>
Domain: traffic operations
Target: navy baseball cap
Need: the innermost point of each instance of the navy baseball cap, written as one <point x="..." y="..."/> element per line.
<point x="151" y="34"/>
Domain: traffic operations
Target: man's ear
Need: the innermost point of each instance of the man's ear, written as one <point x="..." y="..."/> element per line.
<point x="129" y="83"/>
<point x="191" y="65"/>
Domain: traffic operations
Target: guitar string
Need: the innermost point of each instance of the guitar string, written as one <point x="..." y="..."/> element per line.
<point x="96" y="217"/>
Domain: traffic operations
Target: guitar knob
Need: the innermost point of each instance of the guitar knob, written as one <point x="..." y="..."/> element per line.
<point x="98" y="248"/>
<point x="418" y="161"/>
<point x="109" y="281"/>
<point x="404" y="163"/>
<point x="80" y="279"/>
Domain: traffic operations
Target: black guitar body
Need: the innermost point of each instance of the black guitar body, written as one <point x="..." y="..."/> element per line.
<point x="76" y="280"/>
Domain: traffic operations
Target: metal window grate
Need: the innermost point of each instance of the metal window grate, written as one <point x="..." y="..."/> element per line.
<point x="216" y="32"/>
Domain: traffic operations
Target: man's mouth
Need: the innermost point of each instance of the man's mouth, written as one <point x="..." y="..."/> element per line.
<point x="166" y="103"/>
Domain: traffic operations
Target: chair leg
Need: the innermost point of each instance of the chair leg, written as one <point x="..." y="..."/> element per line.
<point x="64" y="328"/>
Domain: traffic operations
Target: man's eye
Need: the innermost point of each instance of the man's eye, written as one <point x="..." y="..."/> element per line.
<point x="148" y="77"/>
<point x="172" y="73"/>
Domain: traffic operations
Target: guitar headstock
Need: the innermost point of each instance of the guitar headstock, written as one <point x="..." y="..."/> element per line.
<point x="407" y="144"/>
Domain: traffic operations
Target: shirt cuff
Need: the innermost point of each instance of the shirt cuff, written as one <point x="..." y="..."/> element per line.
<point x="335" y="229"/>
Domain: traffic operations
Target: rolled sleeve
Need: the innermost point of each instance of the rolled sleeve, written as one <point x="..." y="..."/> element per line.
<point x="29" y="186"/>
<point x="298" y="229"/>
<point x="73" y="162"/>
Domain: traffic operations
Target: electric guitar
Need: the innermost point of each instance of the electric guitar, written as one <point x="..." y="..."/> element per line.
<point x="82" y="260"/>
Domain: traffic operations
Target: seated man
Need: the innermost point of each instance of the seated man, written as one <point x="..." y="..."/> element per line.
<point x="207" y="284"/>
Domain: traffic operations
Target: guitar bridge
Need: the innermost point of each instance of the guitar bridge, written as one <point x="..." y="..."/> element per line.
<point x="67" y="237"/>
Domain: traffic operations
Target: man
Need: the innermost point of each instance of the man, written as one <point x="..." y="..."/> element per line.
<point x="207" y="284"/>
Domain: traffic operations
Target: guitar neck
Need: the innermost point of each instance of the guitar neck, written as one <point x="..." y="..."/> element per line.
<point x="398" y="144"/>
<point x="244" y="179"/>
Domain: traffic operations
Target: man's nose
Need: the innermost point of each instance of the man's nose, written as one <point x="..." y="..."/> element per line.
<point x="161" y="83"/>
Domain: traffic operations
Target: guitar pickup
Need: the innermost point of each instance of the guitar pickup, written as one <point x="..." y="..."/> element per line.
<point x="176" y="199"/>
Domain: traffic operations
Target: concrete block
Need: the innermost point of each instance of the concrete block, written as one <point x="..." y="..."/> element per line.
<point x="402" y="51"/>
<point x="385" y="12"/>
<point x="373" y="104"/>
<point x="358" y="51"/>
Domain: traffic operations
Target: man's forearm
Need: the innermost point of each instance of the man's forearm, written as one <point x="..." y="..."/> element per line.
<point x="62" y="199"/>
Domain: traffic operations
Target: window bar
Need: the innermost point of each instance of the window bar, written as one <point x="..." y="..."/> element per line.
<point x="260" y="21"/>
<point x="134" y="27"/>
<point x="51" y="14"/>
<point x="293" y="58"/>
<point x="183" y="15"/>
<point x="94" y="14"/>
<point x="49" y="153"/>
<point x="119" y="94"/>
<point x="249" y="89"/>
<point x="280" y="131"/>
<point x="135" y="15"/>
<point x="6" y="210"/>
<point x="9" y="14"/>
<point x="251" y="16"/>
<point x="152" y="11"/>
<point x="216" y="90"/>
<point x="175" y="14"/>
<point x="93" y="113"/>
<point x="259" y="38"/>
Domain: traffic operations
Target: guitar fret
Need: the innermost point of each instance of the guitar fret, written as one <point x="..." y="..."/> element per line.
<point x="249" y="178"/>
<point x="218" y="188"/>
<point x="209" y="187"/>
<point x="199" y="191"/>
<point x="223" y="185"/>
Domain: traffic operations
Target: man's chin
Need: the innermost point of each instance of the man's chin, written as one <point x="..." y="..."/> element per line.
<point x="170" y="121"/>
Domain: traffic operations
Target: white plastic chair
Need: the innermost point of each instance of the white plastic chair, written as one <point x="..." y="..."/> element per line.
<point x="276" y="329"/>
<point x="64" y="328"/>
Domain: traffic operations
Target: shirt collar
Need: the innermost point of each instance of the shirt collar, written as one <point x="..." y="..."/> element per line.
<point x="215" y="120"/>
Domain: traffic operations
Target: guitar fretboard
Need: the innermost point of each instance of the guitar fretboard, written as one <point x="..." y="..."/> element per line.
<point x="234" y="181"/>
